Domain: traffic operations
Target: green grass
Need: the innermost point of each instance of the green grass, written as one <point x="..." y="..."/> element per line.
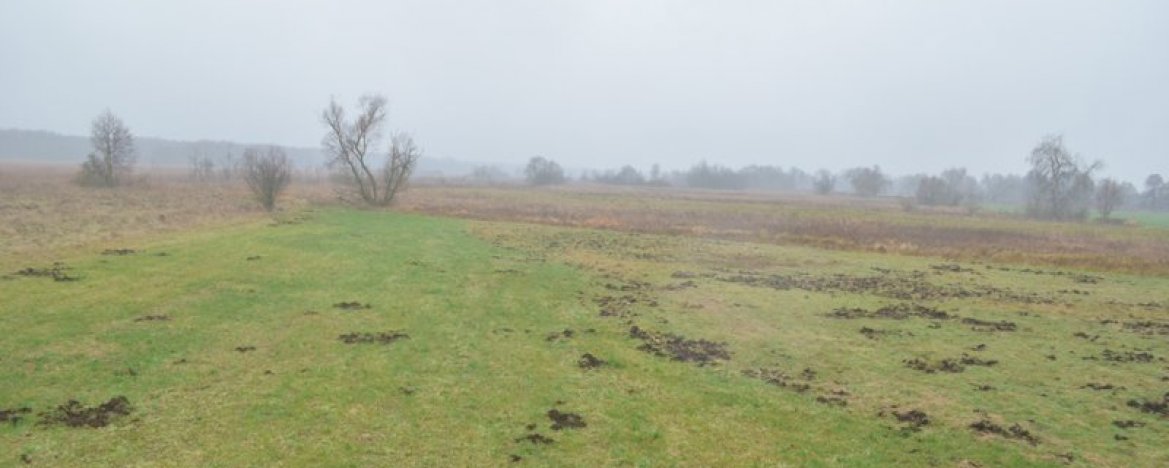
<point x="479" y="299"/>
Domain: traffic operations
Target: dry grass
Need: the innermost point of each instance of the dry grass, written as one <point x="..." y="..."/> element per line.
<point x="43" y="212"/>
<point x="828" y="222"/>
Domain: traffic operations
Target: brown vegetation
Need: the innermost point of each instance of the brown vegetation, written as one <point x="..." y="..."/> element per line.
<point x="825" y="222"/>
<point x="42" y="211"/>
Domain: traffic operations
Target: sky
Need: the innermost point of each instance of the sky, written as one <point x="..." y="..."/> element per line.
<point x="910" y="85"/>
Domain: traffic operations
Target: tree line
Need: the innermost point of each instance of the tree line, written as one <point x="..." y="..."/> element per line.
<point x="1059" y="185"/>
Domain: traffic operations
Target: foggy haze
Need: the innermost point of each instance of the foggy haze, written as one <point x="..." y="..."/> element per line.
<point x="914" y="86"/>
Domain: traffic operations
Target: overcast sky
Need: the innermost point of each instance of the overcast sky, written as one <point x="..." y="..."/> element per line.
<point x="910" y="85"/>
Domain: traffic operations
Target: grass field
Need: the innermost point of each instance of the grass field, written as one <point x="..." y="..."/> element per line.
<point x="230" y="349"/>
<point x="583" y="326"/>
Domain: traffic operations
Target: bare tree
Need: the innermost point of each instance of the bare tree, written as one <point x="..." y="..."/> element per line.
<point x="202" y="166"/>
<point x="1061" y="185"/>
<point x="112" y="159"/>
<point x="267" y="172"/>
<point x="866" y="181"/>
<point x="1109" y="195"/>
<point x="824" y="183"/>
<point x="349" y="145"/>
<point x="542" y="171"/>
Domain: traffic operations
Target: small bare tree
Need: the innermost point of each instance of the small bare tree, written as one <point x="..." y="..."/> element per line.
<point x="349" y="145"/>
<point x="112" y="159"/>
<point x="202" y="166"/>
<point x="267" y="172"/>
<point x="1109" y="195"/>
<point x="824" y="183"/>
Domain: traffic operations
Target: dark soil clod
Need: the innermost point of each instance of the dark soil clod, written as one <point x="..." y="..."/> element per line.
<point x="986" y="326"/>
<point x="588" y="361"/>
<point x="152" y="318"/>
<point x="378" y="338"/>
<point x="779" y="379"/>
<point x="535" y="438"/>
<point x="876" y="334"/>
<point x="1122" y="356"/>
<point x="1127" y="424"/>
<point x="893" y="312"/>
<point x="1099" y="386"/>
<point x="563" y="334"/>
<point x="119" y="252"/>
<point x="945" y="365"/>
<point x="58" y="272"/>
<point x="74" y="414"/>
<point x="1151" y="406"/>
<point x="354" y="305"/>
<point x="562" y="420"/>
<point x="1086" y="336"/>
<point x="1014" y="432"/>
<point x="679" y="348"/>
<point x="915" y="419"/>
<point x="1147" y="327"/>
<point x="14" y="415"/>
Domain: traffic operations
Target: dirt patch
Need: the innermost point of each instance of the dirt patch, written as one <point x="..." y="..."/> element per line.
<point x="75" y="414"/>
<point x="1124" y="356"/>
<point x="588" y="361"/>
<point x="987" y="326"/>
<point x="836" y="397"/>
<point x="1016" y="431"/>
<point x="58" y="272"/>
<point x="876" y="334"/>
<point x="1086" y="336"/>
<point x="1147" y="327"/>
<point x="1075" y="277"/>
<point x="931" y="367"/>
<point x="1100" y="386"/>
<point x="680" y="286"/>
<point x="906" y="287"/>
<point x="913" y="419"/>
<point x="1127" y="424"/>
<point x="152" y="318"/>
<point x="892" y="312"/>
<point x="14" y="415"/>
<point x="119" y="252"/>
<point x="353" y="305"/>
<point x="245" y="349"/>
<point x="951" y="268"/>
<point x="564" y="420"/>
<point x="1152" y="406"/>
<point x="562" y="335"/>
<point x="780" y="379"/>
<point x="617" y="306"/>
<point x="951" y="366"/>
<point x="384" y="338"/>
<point x="679" y="348"/>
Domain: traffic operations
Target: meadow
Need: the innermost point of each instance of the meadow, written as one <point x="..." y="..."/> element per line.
<point x="575" y="327"/>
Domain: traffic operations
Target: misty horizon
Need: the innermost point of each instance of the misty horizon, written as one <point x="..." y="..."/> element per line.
<point x="911" y="87"/>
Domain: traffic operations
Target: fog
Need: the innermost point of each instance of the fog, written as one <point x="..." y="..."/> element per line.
<point x="914" y="86"/>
